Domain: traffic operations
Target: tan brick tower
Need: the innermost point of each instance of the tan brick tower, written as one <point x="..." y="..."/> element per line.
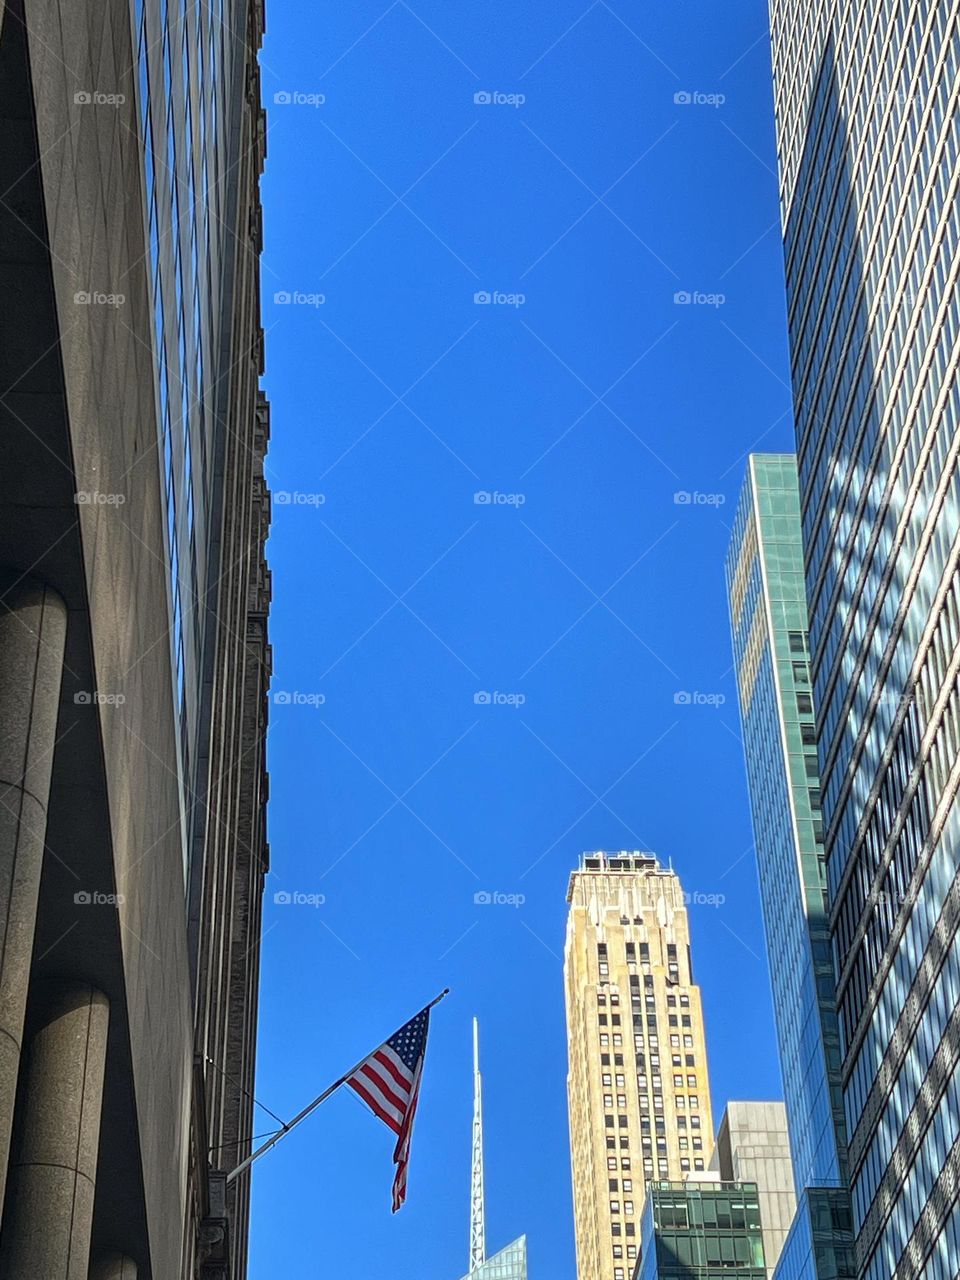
<point x="638" y="1086"/>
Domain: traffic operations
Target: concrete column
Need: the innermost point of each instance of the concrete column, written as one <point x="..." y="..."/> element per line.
<point x="33" y="627"/>
<point x="53" y="1165"/>
<point x="113" y="1266"/>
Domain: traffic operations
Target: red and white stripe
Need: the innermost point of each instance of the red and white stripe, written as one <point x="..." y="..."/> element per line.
<point x="385" y="1085"/>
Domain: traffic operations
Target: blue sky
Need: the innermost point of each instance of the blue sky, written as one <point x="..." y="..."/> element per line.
<point x="585" y="398"/>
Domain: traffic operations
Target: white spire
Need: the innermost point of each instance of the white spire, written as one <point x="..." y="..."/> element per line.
<point x="478" y="1242"/>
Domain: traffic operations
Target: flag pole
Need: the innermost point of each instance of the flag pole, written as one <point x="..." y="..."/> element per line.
<point x="312" y="1106"/>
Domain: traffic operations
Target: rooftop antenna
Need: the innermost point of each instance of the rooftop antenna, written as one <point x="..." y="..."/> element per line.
<point x="478" y="1241"/>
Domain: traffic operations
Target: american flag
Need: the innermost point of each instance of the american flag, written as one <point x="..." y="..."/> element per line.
<point x="389" y="1083"/>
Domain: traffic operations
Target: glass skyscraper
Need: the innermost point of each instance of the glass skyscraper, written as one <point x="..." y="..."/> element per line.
<point x="134" y="656"/>
<point x="509" y="1264"/>
<point x="868" y="133"/>
<point x="768" y="617"/>
<point x="701" y="1231"/>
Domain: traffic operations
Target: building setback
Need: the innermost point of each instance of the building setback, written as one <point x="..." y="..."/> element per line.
<point x="868" y="133"/>
<point x="638" y="1085"/>
<point x="134" y="660"/>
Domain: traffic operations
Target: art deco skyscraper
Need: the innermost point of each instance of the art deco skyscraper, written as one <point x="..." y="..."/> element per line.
<point x="638" y="1086"/>
<point x="868" y="132"/>
<point x="134" y="660"/>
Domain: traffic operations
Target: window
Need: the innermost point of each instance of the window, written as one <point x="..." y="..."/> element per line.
<point x="682" y="1142"/>
<point x="604" y="1059"/>
<point x="604" y="1040"/>
<point x="694" y="1102"/>
<point x="611" y="1162"/>
<point x="618" y="1250"/>
<point x="615" y="1229"/>
<point x="677" y="1084"/>
<point x="620" y="1081"/>
<point x="691" y="1082"/>
<point x="624" y="1144"/>
<point x="614" y="1206"/>
<point x="622" y="1122"/>
<point x="698" y="1165"/>
<point x="796" y="642"/>
<point x="698" y="1144"/>
<point x="688" y="1059"/>
<point x="681" y="1101"/>
<point x="645" y="952"/>
<point x="694" y="1122"/>
<point x="671" y="1002"/>
<point x="675" y="1041"/>
<point x="800" y="675"/>
<point x="602" y="1019"/>
<point x="614" y="998"/>
<point x="615" y="1019"/>
<point x="808" y="735"/>
<point x="628" y="1184"/>
<point x="631" y="1228"/>
<point x="621" y="1099"/>
<point x="617" y="1040"/>
<point x="605" y="1079"/>
<point x="631" y="950"/>
<point x="648" y="981"/>
<point x="684" y="1002"/>
<point x="628" y="1206"/>
<point x="618" y="1273"/>
<point x="671" y="951"/>
<point x="804" y="704"/>
<point x="608" y="1099"/>
<point x="682" y="1122"/>
<point x="688" y="1042"/>
<point x="685" y="1165"/>
<point x="608" y="1122"/>
<point x="631" y="1250"/>
<point x="612" y="1184"/>
<point x="625" y="1163"/>
<point x="676" y="1060"/>
<point x="601" y="998"/>
<point x="611" y="1142"/>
